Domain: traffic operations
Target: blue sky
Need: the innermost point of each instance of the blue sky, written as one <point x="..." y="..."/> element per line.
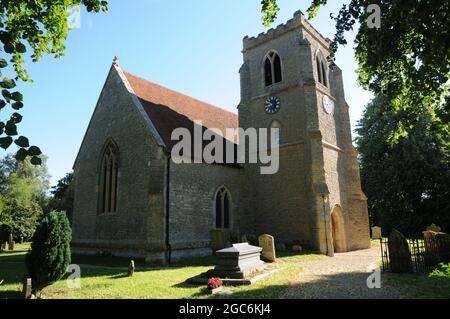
<point x="190" y="46"/>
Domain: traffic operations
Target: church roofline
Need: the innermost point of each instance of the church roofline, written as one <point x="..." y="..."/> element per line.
<point x="116" y="66"/>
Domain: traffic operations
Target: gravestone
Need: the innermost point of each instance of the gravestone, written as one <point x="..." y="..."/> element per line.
<point x="219" y="240"/>
<point x="399" y="253"/>
<point x="431" y="248"/>
<point x="297" y="248"/>
<point x="281" y="247"/>
<point x="3" y="246"/>
<point x="11" y="245"/>
<point x="237" y="262"/>
<point x="267" y="243"/>
<point x="434" y="228"/>
<point x="131" y="269"/>
<point x="21" y="240"/>
<point x="26" y="290"/>
<point x="10" y="240"/>
<point x="250" y="239"/>
<point x="444" y="247"/>
<point x="376" y="232"/>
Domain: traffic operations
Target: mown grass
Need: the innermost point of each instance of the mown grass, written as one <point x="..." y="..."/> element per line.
<point x="413" y="286"/>
<point x="107" y="279"/>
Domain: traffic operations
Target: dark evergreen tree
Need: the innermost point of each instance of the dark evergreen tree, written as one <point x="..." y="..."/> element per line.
<point x="49" y="257"/>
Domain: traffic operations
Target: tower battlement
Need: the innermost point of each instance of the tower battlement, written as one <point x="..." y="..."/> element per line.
<point x="297" y="21"/>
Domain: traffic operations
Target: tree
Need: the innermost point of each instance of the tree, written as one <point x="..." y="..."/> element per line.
<point x="406" y="59"/>
<point x="49" y="257"/>
<point x="407" y="182"/>
<point x="23" y="194"/>
<point x="41" y="26"/>
<point x="63" y="196"/>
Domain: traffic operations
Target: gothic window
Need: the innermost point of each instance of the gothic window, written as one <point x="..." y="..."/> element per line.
<point x="275" y="134"/>
<point x="321" y="69"/>
<point x="109" y="178"/>
<point x="222" y="209"/>
<point x="272" y="69"/>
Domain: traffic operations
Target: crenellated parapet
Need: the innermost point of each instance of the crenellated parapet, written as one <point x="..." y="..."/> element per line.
<point x="298" y="21"/>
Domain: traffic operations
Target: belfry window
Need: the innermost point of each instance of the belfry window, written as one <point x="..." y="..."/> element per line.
<point x="321" y="70"/>
<point x="272" y="69"/>
<point x="109" y="174"/>
<point x="222" y="209"/>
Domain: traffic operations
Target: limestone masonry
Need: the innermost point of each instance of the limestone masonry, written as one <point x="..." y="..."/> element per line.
<point x="132" y="200"/>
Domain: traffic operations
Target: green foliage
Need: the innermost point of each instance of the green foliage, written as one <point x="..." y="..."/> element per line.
<point x="407" y="60"/>
<point x="49" y="256"/>
<point x="407" y="182"/>
<point x="40" y="27"/>
<point x="63" y="196"/>
<point x="23" y="194"/>
<point x="270" y="9"/>
<point x="442" y="272"/>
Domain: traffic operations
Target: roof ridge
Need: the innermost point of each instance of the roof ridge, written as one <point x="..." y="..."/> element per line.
<point x="180" y="93"/>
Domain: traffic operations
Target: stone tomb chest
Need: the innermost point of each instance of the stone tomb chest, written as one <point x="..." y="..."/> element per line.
<point x="237" y="262"/>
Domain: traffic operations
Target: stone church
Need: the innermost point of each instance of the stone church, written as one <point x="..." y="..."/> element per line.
<point x="132" y="200"/>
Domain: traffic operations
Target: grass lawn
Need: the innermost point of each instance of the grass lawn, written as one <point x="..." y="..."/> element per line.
<point x="413" y="286"/>
<point x="105" y="277"/>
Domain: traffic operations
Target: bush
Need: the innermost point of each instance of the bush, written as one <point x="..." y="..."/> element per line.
<point x="49" y="257"/>
<point x="442" y="272"/>
<point x="5" y="231"/>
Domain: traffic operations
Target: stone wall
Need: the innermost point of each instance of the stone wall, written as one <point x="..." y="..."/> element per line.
<point x="137" y="228"/>
<point x="192" y="205"/>
<point x="318" y="170"/>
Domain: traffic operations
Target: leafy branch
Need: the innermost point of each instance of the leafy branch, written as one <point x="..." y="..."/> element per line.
<point x="39" y="27"/>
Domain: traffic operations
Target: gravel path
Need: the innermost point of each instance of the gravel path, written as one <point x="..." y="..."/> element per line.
<point x="341" y="277"/>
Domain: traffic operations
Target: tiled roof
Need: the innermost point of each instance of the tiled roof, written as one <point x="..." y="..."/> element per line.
<point x="168" y="110"/>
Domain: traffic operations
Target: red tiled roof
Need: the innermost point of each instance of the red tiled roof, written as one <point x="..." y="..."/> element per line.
<point x="169" y="110"/>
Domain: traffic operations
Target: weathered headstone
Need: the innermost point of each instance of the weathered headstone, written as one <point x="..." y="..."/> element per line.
<point x="434" y="228"/>
<point x="26" y="290"/>
<point x="280" y="247"/>
<point x="376" y="232"/>
<point x="21" y="240"/>
<point x="444" y="247"/>
<point x="431" y="248"/>
<point x="237" y="262"/>
<point x="131" y="269"/>
<point x="219" y="239"/>
<point x="399" y="253"/>
<point x="267" y="243"/>
<point x="297" y="248"/>
<point x="250" y="239"/>
<point x="3" y="246"/>
<point x="11" y="245"/>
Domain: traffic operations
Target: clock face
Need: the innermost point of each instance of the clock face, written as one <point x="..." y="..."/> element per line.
<point x="328" y="105"/>
<point x="273" y="105"/>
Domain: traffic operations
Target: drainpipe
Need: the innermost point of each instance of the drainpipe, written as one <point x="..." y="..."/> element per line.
<point x="325" y="224"/>
<point x="168" y="247"/>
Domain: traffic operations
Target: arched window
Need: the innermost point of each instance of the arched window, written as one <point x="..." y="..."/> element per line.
<point x="275" y="134"/>
<point x="272" y="69"/>
<point x="222" y="209"/>
<point x="321" y="69"/>
<point x="109" y="178"/>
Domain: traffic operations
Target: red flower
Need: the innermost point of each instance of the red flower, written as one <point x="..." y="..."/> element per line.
<point x="215" y="283"/>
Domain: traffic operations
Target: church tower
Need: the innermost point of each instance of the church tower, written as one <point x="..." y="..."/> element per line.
<point x="315" y="198"/>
